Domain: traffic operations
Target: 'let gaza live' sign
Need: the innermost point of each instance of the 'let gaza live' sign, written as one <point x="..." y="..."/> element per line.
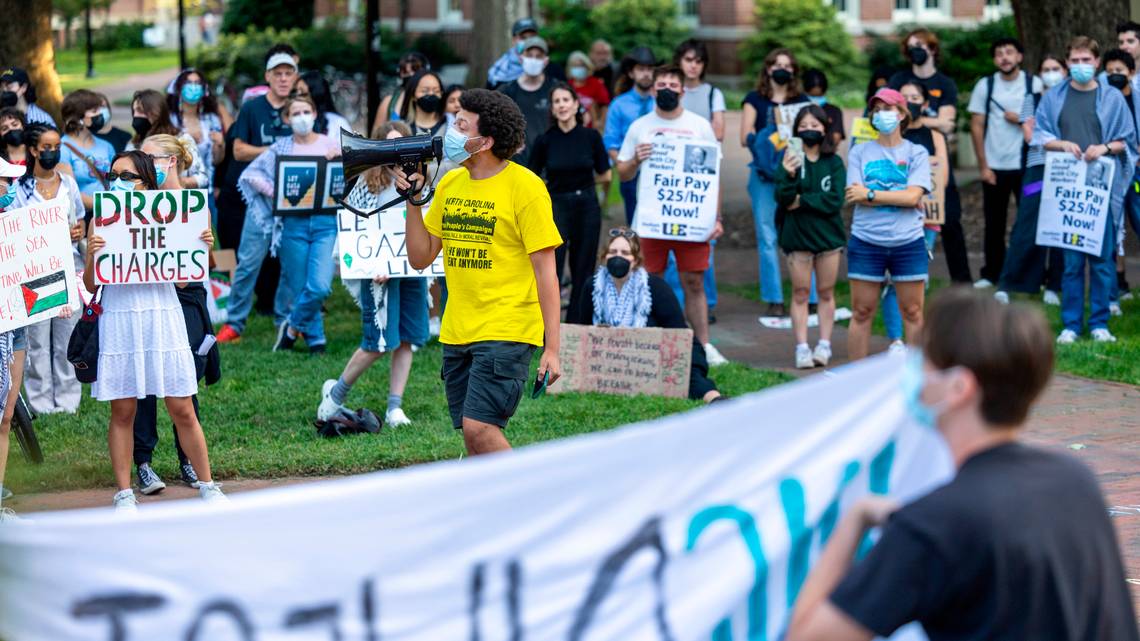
<point x="152" y="236"/>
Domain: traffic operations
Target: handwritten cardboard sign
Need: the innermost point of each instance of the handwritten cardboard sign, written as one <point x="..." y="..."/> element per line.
<point x="37" y="268"/>
<point x="934" y="203"/>
<point x="307" y="185"/>
<point x="152" y="236"/>
<point x="677" y="190"/>
<point x="374" y="246"/>
<point x="625" y="361"/>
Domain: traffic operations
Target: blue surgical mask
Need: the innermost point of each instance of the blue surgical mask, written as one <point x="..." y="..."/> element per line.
<point x="455" y="145"/>
<point x="577" y="73"/>
<point x="819" y="100"/>
<point x="106" y="113"/>
<point x="160" y="176"/>
<point x="122" y="185"/>
<point x="913" y="380"/>
<point x="1082" y="72"/>
<point x="885" y="121"/>
<point x="8" y="197"/>
<point x="192" y="93"/>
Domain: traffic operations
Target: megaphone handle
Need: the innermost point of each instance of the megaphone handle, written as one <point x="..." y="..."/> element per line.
<point x="423" y="200"/>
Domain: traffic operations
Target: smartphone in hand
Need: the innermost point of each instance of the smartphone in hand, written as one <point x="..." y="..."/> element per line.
<point x="540" y="383"/>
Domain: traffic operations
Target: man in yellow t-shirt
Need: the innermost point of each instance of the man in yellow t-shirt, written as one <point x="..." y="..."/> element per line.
<point x="492" y="220"/>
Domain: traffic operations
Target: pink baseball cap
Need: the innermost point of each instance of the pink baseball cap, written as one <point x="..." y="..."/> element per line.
<point x="889" y="96"/>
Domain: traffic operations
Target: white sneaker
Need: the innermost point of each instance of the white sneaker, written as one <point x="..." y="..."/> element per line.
<point x="125" y="503"/>
<point x="1114" y="309"/>
<point x="212" y="493"/>
<point x="1001" y="297"/>
<point x="1102" y="335"/>
<point x="435" y="325"/>
<point x="713" y="356"/>
<point x="1067" y="337"/>
<point x="328" y="406"/>
<point x="397" y="418"/>
<point x="803" y="357"/>
<point x="8" y="517"/>
<point x="1126" y="295"/>
<point x="983" y="283"/>
<point x="1051" y="298"/>
<point x="821" y="355"/>
<point x="897" y="347"/>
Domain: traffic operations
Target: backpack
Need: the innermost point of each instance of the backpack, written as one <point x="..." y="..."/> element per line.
<point x="990" y="96"/>
<point x="766" y="154"/>
<point x="346" y="422"/>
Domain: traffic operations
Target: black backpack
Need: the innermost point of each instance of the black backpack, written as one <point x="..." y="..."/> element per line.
<point x="989" y="98"/>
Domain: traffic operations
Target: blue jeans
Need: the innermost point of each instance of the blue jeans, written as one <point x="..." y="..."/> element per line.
<point x="628" y="190"/>
<point x="251" y="252"/>
<point x="407" y="320"/>
<point x="307" y="263"/>
<point x="892" y="317"/>
<point x="1102" y="280"/>
<point x="763" y="194"/>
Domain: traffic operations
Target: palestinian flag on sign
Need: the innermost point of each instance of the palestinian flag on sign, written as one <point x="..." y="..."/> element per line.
<point x="45" y="293"/>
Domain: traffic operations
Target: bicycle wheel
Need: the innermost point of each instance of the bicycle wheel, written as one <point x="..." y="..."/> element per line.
<point x="26" y="432"/>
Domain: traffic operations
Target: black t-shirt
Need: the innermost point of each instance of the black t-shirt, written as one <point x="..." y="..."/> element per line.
<point x="835" y="116"/>
<point x="117" y="137"/>
<point x="763" y="106"/>
<point x="943" y="91"/>
<point x="258" y="124"/>
<point x="1018" y="546"/>
<point x="535" y="107"/>
<point x="570" y="159"/>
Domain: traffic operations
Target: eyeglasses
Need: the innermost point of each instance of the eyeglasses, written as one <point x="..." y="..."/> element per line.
<point x="125" y="175"/>
<point x="624" y="232"/>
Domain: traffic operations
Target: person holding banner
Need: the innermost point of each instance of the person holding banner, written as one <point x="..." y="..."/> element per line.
<point x="886" y="181"/>
<point x="13" y="352"/>
<point x="393" y="311"/>
<point x="49" y="378"/>
<point x="1018" y="545"/>
<point x="144" y="350"/>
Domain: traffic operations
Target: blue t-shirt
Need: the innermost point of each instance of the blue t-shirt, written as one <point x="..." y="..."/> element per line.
<point x="888" y="169"/>
<point x="100" y="153"/>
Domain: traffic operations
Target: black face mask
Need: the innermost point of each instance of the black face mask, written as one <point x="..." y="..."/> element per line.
<point x="811" y="137"/>
<point x="8" y="99"/>
<point x="429" y="103"/>
<point x="915" y="110"/>
<point x="14" y="137"/>
<point x="918" y="55"/>
<point x="48" y="159"/>
<point x="667" y="99"/>
<point x="97" y="123"/>
<point x="781" y="76"/>
<point x="141" y="126"/>
<point x="1117" y="80"/>
<point x="617" y="266"/>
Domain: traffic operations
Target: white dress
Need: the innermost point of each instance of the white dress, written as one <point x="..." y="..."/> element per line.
<point x="143" y="348"/>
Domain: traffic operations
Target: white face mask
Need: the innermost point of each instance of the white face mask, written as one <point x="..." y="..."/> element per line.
<point x="1052" y="78"/>
<point x="533" y="66"/>
<point x="302" y="124"/>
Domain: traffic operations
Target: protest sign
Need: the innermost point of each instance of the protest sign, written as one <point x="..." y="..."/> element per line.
<point x="37" y="265"/>
<point x="152" y="236"/>
<point x="677" y="190"/>
<point x="701" y="521"/>
<point x="862" y="131"/>
<point x="625" y="361"/>
<point x="786" y="117"/>
<point x="1074" y="202"/>
<point x="307" y="185"/>
<point x="934" y="203"/>
<point x="374" y="246"/>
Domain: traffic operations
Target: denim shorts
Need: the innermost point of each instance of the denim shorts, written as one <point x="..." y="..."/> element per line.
<point x="20" y="339"/>
<point x="869" y="262"/>
<point x="407" y="315"/>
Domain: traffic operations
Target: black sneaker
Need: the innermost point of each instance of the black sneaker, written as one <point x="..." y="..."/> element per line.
<point x="149" y="483"/>
<point x="712" y="318"/>
<point x="317" y="350"/>
<point x="284" y="342"/>
<point x="189" y="477"/>
<point x="813" y="308"/>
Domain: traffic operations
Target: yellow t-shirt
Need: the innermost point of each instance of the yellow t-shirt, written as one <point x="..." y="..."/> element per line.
<point x="489" y="229"/>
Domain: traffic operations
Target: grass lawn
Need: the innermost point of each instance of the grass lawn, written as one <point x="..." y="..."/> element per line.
<point x="1119" y="361"/>
<point x="110" y="66"/>
<point x="259" y="418"/>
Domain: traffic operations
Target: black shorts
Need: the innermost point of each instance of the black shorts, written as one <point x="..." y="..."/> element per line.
<point x="484" y="381"/>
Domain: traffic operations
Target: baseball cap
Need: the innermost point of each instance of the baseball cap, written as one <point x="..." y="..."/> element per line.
<point x="9" y="170"/>
<point x="535" y="41"/>
<point x="524" y="25"/>
<point x="13" y="74"/>
<point x="888" y="96"/>
<point x="641" y="56"/>
<point x="278" y="59"/>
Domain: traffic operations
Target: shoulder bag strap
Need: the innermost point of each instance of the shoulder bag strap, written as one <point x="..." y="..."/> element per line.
<point x="90" y="164"/>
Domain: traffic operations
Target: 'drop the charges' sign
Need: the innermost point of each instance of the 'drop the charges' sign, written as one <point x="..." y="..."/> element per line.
<point x="1074" y="202"/>
<point x="151" y="236"/>
<point x="677" y="190"/>
<point x="374" y="246"/>
<point x="625" y="361"/>
<point x="37" y="268"/>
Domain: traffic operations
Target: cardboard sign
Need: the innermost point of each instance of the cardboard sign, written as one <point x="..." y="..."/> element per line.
<point x="625" y="361"/>
<point x="37" y="266"/>
<point x="786" y="117"/>
<point x="1074" y="202"/>
<point x="677" y="190"/>
<point x="374" y="246"/>
<point x="218" y="289"/>
<point x="934" y="203"/>
<point x="862" y="131"/>
<point x="307" y="185"/>
<point x="152" y="236"/>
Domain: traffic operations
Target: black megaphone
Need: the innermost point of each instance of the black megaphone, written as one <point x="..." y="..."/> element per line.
<point x="411" y="153"/>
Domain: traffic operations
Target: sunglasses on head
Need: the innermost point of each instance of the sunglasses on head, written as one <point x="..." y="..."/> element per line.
<point x="125" y="175"/>
<point x="620" y="231"/>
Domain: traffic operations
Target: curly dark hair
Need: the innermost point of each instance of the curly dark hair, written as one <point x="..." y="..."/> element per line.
<point x="499" y="118"/>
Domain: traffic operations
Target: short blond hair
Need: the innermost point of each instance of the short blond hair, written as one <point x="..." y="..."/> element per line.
<point x="578" y="56"/>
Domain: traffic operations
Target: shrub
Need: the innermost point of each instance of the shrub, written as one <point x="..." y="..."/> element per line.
<point x="121" y="35"/>
<point x="241" y="15"/>
<point x="566" y="26"/>
<point x="438" y="50"/>
<point x="811" y="30"/>
<point x="240" y="58"/>
<point x="626" y="24"/>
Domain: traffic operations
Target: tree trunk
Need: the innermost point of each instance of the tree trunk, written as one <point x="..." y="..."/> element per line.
<point x="1046" y="26"/>
<point x="491" y="35"/>
<point x="27" y="44"/>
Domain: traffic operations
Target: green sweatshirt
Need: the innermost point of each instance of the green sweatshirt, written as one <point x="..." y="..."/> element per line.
<point x="817" y="224"/>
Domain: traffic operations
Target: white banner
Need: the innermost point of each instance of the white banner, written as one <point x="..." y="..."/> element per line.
<point x="374" y="246"/>
<point x="677" y="190"/>
<point x="1074" y="202"/>
<point x="37" y="264"/>
<point x="702" y="521"/>
<point x="152" y="236"/>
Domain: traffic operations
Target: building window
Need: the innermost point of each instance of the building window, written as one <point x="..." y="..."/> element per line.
<point x="902" y="5"/>
<point x="933" y="4"/>
<point x="450" y="10"/>
<point x="690" y="9"/>
<point x="840" y="5"/>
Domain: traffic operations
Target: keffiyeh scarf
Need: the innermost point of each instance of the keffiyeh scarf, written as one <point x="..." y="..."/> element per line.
<point x="628" y="308"/>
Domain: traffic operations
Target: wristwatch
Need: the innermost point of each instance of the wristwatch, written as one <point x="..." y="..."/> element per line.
<point x="870" y="195"/>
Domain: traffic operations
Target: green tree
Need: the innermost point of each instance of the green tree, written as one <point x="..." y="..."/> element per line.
<point x="810" y="29"/>
<point x="566" y="26"/>
<point x="626" y="24"/>
<point x="71" y="10"/>
<point x="240" y="15"/>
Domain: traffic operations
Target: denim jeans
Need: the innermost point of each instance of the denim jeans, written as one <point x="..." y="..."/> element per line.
<point x="307" y="262"/>
<point x="763" y="194"/>
<point x="892" y="317"/>
<point x="1102" y="280"/>
<point x="628" y="190"/>
<point x="252" y="250"/>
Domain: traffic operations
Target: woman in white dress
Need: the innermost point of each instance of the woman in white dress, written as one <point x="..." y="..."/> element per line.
<point x="143" y="348"/>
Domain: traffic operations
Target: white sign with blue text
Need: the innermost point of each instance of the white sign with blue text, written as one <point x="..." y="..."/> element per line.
<point x="1075" y="196"/>
<point x="678" y="190"/>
